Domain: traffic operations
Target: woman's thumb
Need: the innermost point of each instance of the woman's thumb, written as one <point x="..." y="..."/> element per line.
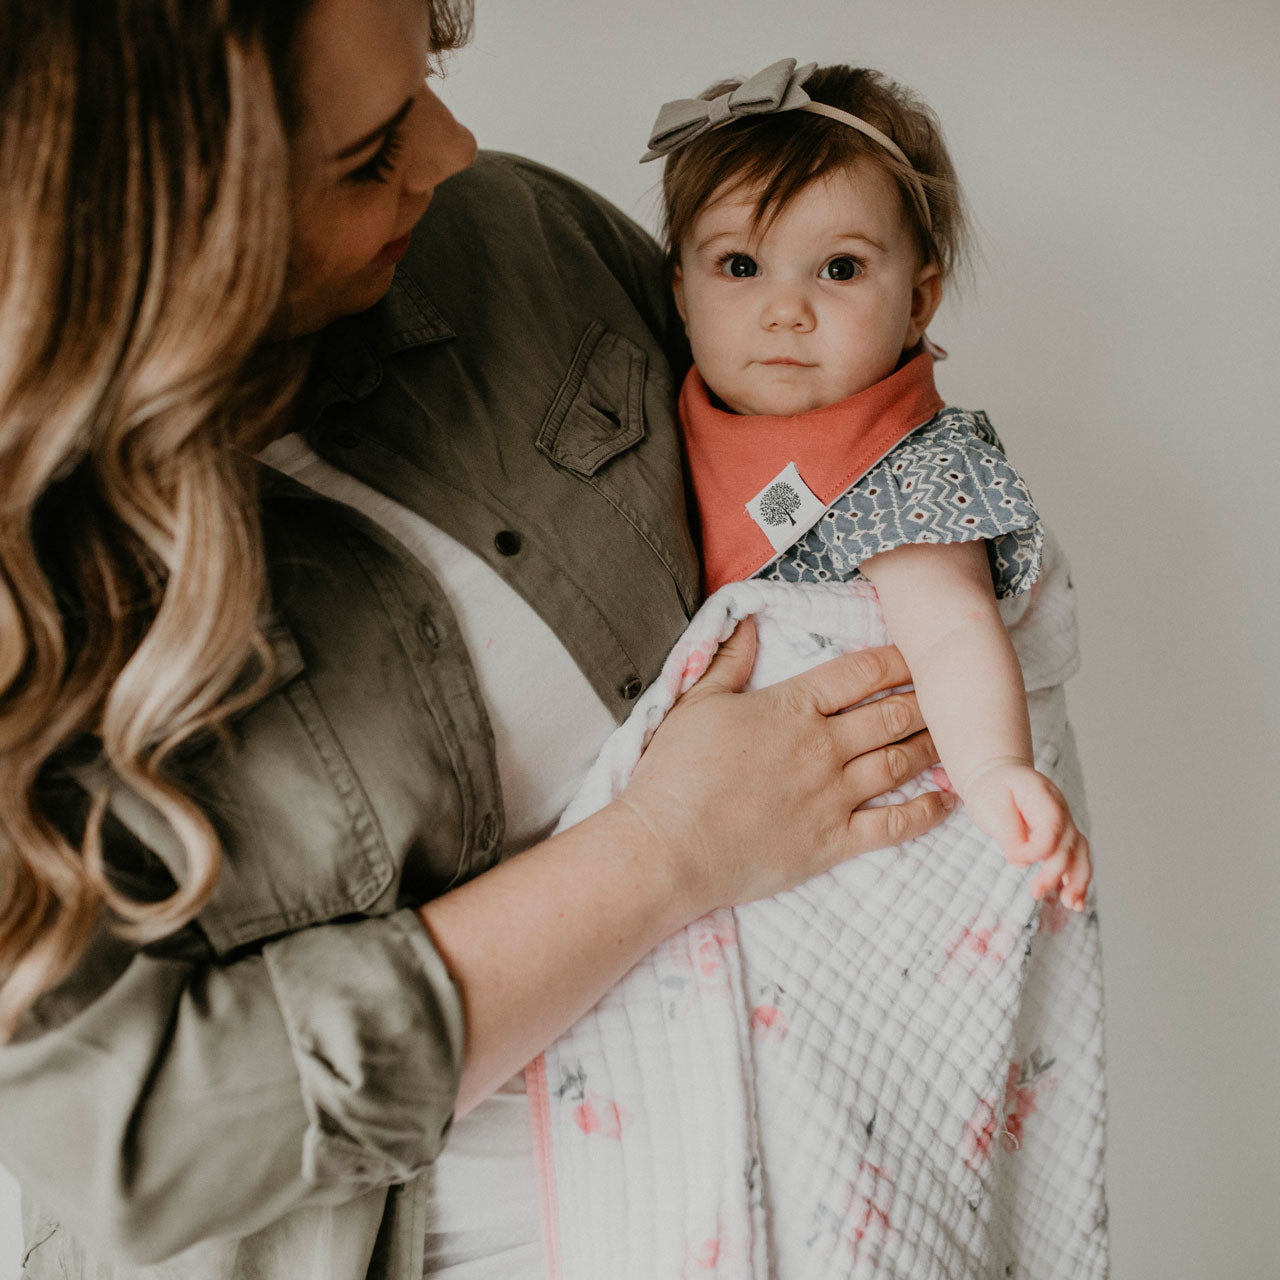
<point x="731" y="668"/>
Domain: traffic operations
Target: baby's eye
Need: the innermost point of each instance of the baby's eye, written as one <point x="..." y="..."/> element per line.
<point x="738" y="265"/>
<point x="842" y="268"/>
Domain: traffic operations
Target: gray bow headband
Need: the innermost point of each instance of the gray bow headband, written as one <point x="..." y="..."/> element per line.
<point x="776" y="88"/>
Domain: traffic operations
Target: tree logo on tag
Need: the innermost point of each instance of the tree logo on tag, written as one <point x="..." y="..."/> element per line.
<point x="777" y="503"/>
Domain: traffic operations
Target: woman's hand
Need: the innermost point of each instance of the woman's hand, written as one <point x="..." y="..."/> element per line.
<point x="747" y="794"/>
<point x="739" y="795"/>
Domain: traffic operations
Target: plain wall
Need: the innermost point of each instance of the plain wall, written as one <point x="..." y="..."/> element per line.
<point x="1121" y="159"/>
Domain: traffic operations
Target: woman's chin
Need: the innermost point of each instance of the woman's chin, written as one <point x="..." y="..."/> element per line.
<point x="304" y="314"/>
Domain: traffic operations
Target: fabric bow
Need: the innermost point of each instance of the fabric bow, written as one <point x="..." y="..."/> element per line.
<point x="776" y="88"/>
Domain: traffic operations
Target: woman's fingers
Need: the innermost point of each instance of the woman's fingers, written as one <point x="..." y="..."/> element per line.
<point x="891" y="824"/>
<point x="876" y="771"/>
<point x="747" y="794"/>
<point x="848" y="679"/>
<point x="730" y="669"/>
<point x="876" y="724"/>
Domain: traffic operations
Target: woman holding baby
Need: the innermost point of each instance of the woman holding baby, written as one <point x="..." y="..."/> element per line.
<point x="338" y="532"/>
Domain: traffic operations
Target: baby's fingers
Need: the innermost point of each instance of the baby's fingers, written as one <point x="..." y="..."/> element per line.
<point x="1049" y="877"/>
<point x="1078" y="873"/>
<point x="1045" y="817"/>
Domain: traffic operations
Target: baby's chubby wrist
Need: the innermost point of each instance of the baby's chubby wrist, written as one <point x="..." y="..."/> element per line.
<point x="992" y="770"/>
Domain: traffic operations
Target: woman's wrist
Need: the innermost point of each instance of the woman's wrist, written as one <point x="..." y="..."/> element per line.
<point x="679" y="875"/>
<point x="534" y="942"/>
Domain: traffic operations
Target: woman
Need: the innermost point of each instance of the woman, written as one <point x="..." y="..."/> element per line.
<point x="266" y="755"/>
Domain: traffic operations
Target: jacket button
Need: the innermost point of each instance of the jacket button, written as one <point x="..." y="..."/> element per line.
<point x="427" y="632"/>
<point x="631" y="690"/>
<point x="508" y="542"/>
<point x="488" y="832"/>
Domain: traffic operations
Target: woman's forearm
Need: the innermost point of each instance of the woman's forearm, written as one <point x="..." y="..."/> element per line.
<point x="717" y="812"/>
<point x="535" y="942"/>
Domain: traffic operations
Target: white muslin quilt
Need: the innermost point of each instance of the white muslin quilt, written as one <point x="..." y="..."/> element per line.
<point x="894" y="1070"/>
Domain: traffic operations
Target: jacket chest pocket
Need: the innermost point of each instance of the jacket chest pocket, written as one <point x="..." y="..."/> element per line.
<point x="612" y="425"/>
<point x="598" y="411"/>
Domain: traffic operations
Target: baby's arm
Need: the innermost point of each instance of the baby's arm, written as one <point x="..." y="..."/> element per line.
<point x="941" y="612"/>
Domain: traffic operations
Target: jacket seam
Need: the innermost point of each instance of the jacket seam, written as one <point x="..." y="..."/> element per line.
<point x="448" y="728"/>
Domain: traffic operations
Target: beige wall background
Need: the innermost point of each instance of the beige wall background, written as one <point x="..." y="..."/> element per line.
<point x="1121" y="158"/>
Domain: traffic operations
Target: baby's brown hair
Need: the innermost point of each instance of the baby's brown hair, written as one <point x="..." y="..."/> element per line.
<point x="781" y="153"/>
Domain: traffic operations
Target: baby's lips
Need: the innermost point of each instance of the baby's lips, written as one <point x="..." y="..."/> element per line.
<point x="941" y="778"/>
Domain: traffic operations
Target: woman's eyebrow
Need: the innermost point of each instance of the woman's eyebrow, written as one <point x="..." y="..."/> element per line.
<point x="373" y="135"/>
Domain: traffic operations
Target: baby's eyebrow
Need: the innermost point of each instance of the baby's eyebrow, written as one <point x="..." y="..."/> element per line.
<point x="862" y="238"/>
<point x="730" y="233"/>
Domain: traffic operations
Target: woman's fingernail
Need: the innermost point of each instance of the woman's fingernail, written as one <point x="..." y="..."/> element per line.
<point x="949" y="800"/>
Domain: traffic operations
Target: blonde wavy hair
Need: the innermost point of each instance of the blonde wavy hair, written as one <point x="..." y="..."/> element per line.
<point x="144" y="233"/>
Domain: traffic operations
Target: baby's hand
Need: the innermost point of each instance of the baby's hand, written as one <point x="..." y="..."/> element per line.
<point x="1030" y="818"/>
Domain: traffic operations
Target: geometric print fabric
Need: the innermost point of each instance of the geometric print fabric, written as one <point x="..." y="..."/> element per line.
<point x="948" y="481"/>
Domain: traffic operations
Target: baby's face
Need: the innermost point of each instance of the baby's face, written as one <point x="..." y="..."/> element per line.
<point x="818" y="308"/>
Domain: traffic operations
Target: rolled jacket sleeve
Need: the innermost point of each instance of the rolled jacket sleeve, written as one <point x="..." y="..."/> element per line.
<point x="378" y="1060"/>
<point x="181" y="1101"/>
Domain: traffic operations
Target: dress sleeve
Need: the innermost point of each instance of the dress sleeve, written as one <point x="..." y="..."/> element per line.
<point x="153" y="1101"/>
<point x="950" y="481"/>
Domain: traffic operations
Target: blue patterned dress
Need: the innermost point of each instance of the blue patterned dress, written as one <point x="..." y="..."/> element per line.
<point x="948" y="481"/>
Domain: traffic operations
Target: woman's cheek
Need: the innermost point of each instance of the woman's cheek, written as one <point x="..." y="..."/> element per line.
<point x="338" y="232"/>
<point x="369" y="226"/>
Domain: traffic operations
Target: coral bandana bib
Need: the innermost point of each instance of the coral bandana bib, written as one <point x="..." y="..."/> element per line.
<point x="761" y="482"/>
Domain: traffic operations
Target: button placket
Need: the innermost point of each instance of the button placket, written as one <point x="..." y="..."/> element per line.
<point x="426" y="629"/>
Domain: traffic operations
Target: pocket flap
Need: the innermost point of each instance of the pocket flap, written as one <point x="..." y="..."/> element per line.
<point x="598" y="411"/>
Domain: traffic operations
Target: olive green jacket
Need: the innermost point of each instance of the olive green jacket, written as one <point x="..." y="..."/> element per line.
<point x="259" y="1095"/>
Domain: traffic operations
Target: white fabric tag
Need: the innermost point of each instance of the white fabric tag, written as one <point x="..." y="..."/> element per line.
<point x="786" y="508"/>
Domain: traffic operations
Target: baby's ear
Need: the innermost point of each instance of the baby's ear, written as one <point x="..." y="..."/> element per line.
<point x="926" y="294"/>
<point x="677" y="288"/>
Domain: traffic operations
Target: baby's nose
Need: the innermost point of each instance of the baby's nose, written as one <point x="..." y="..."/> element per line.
<point x="787" y="307"/>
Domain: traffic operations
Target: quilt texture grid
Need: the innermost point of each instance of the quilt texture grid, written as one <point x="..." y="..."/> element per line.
<point x="894" y="1070"/>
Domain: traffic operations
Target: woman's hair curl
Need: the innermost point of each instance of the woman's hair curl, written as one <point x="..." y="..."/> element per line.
<point x="144" y="232"/>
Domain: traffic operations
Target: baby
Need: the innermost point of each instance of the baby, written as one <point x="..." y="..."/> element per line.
<point x="812" y="220"/>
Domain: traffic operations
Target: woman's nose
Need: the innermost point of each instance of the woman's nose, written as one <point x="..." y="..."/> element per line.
<point x="444" y="147"/>
<point x="787" y="307"/>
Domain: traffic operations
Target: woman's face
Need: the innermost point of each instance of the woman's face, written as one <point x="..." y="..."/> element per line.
<point x="372" y="143"/>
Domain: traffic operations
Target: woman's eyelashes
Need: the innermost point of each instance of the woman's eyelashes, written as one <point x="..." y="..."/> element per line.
<point x="382" y="164"/>
<point x="741" y="266"/>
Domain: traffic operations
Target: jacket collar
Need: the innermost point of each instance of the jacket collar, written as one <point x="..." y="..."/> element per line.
<point x="347" y="365"/>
